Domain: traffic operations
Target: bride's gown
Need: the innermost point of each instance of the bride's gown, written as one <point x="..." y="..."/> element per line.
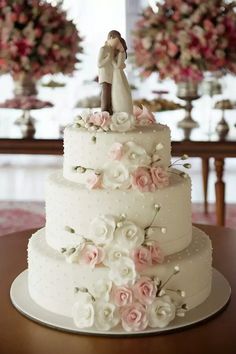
<point x="121" y="94"/>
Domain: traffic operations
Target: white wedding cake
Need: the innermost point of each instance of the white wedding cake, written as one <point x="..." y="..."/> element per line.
<point x="119" y="248"/>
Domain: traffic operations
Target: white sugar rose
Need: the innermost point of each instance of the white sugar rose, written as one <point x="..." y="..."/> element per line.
<point x="122" y="122"/>
<point x="86" y="114"/>
<point x="106" y="316"/>
<point x="83" y="311"/>
<point x="114" y="253"/>
<point x="115" y="175"/>
<point x="102" y="229"/>
<point x="123" y="272"/>
<point x="135" y="155"/>
<point x="161" y="312"/>
<point x="72" y="254"/>
<point x="128" y="235"/>
<point x="101" y="289"/>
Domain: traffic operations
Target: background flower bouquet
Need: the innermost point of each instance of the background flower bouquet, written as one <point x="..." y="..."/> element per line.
<point x="183" y="39"/>
<point x="36" y="39"/>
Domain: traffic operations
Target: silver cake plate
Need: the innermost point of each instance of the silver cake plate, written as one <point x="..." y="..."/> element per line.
<point x="22" y="301"/>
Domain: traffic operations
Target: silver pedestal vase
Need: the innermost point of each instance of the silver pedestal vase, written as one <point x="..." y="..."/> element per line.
<point x="222" y="127"/>
<point x="25" y="85"/>
<point x="27" y="124"/>
<point x="188" y="91"/>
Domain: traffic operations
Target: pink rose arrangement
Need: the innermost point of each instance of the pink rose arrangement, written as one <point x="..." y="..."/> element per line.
<point x="156" y="252"/>
<point x="183" y="39"/>
<point x="147" y="255"/>
<point x="143" y="116"/>
<point x="142" y="180"/>
<point x="142" y="258"/>
<point x="36" y="38"/>
<point x="94" y="181"/>
<point x="133" y="302"/>
<point x="160" y="177"/>
<point x="103" y="119"/>
<point x="134" y="317"/>
<point x="145" y="290"/>
<point x="122" y="296"/>
<point x="116" y="151"/>
<point x="100" y="119"/>
<point x="92" y="255"/>
<point x="149" y="179"/>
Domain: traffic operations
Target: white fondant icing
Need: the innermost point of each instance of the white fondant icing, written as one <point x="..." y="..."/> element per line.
<point x="52" y="280"/>
<point x="81" y="150"/>
<point x="73" y="205"/>
<point x="102" y="248"/>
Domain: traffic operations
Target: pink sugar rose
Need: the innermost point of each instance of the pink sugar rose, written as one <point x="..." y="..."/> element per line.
<point x="143" y="115"/>
<point x="94" y="181"/>
<point x="160" y="177"/>
<point x="92" y="255"/>
<point x="100" y="119"/>
<point x="145" y="290"/>
<point x="137" y="110"/>
<point x="122" y="296"/>
<point x="134" y="317"/>
<point x="142" y="180"/>
<point x="116" y="151"/>
<point x="156" y="253"/>
<point x="142" y="258"/>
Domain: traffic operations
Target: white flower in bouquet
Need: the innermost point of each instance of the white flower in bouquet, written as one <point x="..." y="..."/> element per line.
<point x="72" y="254"/>
<point x="83" y="310"/>
<point x="86" y="115"/>
<point x="161" y="312"/>
<point x="102" y="229"/>
<point x="101" y="289"/>
<point x="128" y="235"/>
<point x="122" y="122"/>
<point x="106" y="316"/>
<point x="123" y="272"/>
<point x="114" y="253"/>
<point x="135" y="155"/>
<point x="115" y="175"/>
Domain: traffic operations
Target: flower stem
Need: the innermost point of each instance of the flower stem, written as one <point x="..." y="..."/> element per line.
<point x="167" y="281"/>
<point x="174" y="163"/>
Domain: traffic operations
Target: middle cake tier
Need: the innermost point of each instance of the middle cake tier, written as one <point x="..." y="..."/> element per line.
<point x="71" y="209"/>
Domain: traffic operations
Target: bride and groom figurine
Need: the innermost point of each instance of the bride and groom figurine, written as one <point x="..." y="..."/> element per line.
<point x="116" y="94"/>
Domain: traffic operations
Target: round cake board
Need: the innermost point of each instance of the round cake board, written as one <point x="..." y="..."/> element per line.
<point x="22" y="301"/>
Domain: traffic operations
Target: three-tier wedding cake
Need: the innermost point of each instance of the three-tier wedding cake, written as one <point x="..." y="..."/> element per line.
<point x="119" y="248"/>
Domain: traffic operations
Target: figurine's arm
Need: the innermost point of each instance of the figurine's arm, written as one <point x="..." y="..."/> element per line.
<point x="120" y="61"/>
<point x="103" y="58"/>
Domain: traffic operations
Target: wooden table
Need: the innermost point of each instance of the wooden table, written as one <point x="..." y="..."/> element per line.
<point x="19" y="335"/>
<point x="194" y="142"/>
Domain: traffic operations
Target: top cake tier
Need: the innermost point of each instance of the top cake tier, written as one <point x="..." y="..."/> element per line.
<point x="88" y="154"/>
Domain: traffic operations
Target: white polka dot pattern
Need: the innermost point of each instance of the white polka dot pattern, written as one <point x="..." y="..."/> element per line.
<point x="73" y="205"/>
<point x="52" y="280"/>
<point x="80" y="149"/>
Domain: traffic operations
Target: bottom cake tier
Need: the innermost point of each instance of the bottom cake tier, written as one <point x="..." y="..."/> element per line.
<point x="54" y="283"/>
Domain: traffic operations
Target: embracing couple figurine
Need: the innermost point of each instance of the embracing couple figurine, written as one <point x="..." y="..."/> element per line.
<point x="116" y="94"/>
